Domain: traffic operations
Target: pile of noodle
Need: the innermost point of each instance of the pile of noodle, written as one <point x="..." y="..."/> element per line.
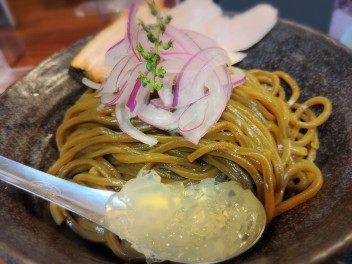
<point x="264" y="140"/>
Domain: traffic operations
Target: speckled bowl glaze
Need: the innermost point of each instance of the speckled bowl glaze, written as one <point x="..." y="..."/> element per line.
<point x="319" y="231"/>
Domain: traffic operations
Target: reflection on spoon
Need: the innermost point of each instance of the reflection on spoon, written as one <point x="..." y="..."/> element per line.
<point x="206" y="222"/>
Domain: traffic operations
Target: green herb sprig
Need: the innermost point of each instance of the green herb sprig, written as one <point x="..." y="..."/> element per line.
<point x="152" y="58"/>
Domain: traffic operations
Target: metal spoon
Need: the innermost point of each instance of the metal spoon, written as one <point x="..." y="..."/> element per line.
<point x="84" y="201"/>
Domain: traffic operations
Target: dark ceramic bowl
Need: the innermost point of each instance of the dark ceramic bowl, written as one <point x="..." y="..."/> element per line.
<point x="319" y="231"/>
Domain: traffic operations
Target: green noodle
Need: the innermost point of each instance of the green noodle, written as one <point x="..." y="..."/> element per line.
<point x="264" y="141"/>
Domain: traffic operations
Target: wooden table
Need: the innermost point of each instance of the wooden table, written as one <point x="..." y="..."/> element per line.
<point x="42" y="28"/>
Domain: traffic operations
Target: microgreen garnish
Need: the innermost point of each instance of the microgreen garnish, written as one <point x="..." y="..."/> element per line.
<point x="152" y="58"/>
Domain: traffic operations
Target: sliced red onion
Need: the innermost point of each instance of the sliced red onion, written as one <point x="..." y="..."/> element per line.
<point x="193" y="117"/>
<point x="160" y="118"/>
<point x="174" y="62"/>
<point x="131" y="28"/>
<point x="141" y="38"/>
<point x="223" y="77"/>
<point x="138" y="97"/>
<point x="193" y="75"/>
<point x="108" y="99"/>
<point x="158" y="103"/>
<point x="131" y="103"/>
<point x="113" y="83"/>
<point x="91" y="84"/>
<point x="238" y="76"/>
<point x="130" y="99"/>
<point x="125" y="93"/>
<point x="116" y="45"/>
<point x="165" y="94"/>
<point x="116" y="53"/>
<point x="216" y="103"/>
<point x="123" y="116"/>
<point x="181" y="41"/>
<point x="200" y="40"/>
<point x="122" y="94"/>
<point x="197" y="84"/>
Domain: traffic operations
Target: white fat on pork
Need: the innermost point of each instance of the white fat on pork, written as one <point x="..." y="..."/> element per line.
<point x="234" y="34"/>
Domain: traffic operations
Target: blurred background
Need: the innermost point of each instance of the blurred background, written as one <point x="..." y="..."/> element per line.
<point x="332" y="17"/>
<point x="32" y="30"/>
<point x="315" y="14"/>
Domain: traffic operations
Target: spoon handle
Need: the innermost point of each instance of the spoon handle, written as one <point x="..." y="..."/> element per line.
<point x="85" y="201"/>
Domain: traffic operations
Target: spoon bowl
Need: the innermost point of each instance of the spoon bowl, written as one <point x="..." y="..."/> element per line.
<point x="84" y="201"/>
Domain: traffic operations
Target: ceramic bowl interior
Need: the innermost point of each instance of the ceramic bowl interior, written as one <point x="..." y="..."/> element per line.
<point x="318" y="231"/>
